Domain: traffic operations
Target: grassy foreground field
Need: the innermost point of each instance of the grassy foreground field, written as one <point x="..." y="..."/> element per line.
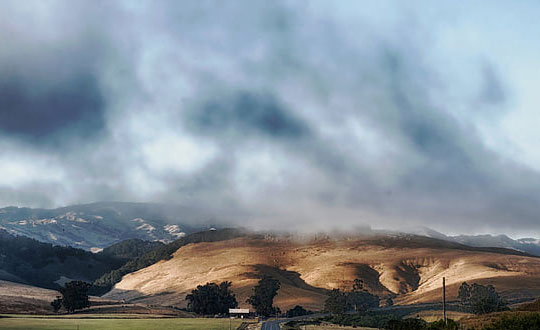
<point x="96" y="323"/>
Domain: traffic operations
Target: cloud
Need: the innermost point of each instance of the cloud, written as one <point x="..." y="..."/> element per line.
<point x="42" y="113"/>
<point x="264" y="112"/>
<point x="247" y="113"/>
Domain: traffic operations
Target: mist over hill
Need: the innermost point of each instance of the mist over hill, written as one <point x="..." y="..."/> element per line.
<point x="98" y="225"/>
<point x="528" y="245"/>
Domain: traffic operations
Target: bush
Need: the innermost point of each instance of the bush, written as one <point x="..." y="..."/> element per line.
<point x="419" y="324"/>
<point x="516" y="322"/>
<point x="74" y="296"/>
<point x="407" y="324"/>
<point x="480" y="299"/>
<point x="366" y="319"/>
<point x="297" y="311"/>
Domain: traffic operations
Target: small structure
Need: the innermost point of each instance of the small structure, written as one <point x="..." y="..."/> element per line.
<point x="239" y="312"/>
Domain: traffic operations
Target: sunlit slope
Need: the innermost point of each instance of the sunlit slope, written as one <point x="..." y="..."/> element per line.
<point x="408" y="268"/>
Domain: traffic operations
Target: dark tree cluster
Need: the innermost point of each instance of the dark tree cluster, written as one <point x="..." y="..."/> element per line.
<point x="262" y="299"/>
<point x="297" y="311"/>
<point x="212" y="299"/>
<point x="74" y="296"/>
<point x="358" y="300"/>
<point x="480" y="299"/>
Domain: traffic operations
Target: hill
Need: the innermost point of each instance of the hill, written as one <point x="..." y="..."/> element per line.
<point x="105" y="282"/>
<point x="26" y="260"/>
<point x="527" y="245"/>
<point x="98" y="225"/>
<point x="408" y="268"/>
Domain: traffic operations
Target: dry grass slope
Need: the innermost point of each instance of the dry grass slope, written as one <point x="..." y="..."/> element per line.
<point x="408" y="268"/>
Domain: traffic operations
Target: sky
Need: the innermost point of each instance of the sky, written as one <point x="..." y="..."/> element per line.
<point x="279" y="114"/>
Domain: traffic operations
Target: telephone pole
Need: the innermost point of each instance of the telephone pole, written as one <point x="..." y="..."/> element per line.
<point x="444" y="299"/>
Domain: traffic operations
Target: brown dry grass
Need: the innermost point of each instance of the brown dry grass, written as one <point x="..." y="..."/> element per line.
<point x="480" y="321"/>
<point x="402" y="267"/>
<point x="18" y="298"/>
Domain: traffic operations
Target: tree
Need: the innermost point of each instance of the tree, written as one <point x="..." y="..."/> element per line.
<point x="211" y="299"/>
<point x="297" y="311"/>
<point x="336" y="303"/>
<point x="358" y="285"/>
<point x="480" y="299"/>
<point x="359" y="299"/>
<point x="57" y="304"/>
<point x="74" y="296"/>
<point x="263" y="296"/>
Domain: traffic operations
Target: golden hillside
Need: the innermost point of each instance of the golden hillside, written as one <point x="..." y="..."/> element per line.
<point x="408" y="268"/>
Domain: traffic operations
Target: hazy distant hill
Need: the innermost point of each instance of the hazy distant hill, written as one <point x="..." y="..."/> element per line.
<point x="528" y="245"/>
<point x="408" y="268"/>
<point x="98" y="225"/>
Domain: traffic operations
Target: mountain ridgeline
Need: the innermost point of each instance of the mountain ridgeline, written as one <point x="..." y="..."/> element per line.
<point x="98" y="225"/>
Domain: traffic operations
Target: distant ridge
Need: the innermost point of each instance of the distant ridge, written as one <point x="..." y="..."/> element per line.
<point x="527" y="245"/>
<point x="98" y="225"/>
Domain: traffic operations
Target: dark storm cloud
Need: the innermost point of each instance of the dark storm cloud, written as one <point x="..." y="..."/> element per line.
<point x="272" y="108"/>
<point x="248" y="113"/>
<point x="492" y="90"/>
<point x="47" y="112"/>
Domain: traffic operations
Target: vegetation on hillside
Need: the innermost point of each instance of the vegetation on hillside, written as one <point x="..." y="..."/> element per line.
<point x="107" y="281"/>
<point x="41" y="264"/>
<point x="516" y="322"/>
<point x="130" y="248"/>
<point x="419" y="324"/>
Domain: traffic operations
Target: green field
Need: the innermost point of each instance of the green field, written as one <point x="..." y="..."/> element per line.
<point x="94" y="323"/>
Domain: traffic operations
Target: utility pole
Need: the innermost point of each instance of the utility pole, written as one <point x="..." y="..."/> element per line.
<point x="444" y="299"/>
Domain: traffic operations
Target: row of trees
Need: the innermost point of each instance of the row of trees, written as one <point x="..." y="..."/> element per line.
<point x="212" y="299"/>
